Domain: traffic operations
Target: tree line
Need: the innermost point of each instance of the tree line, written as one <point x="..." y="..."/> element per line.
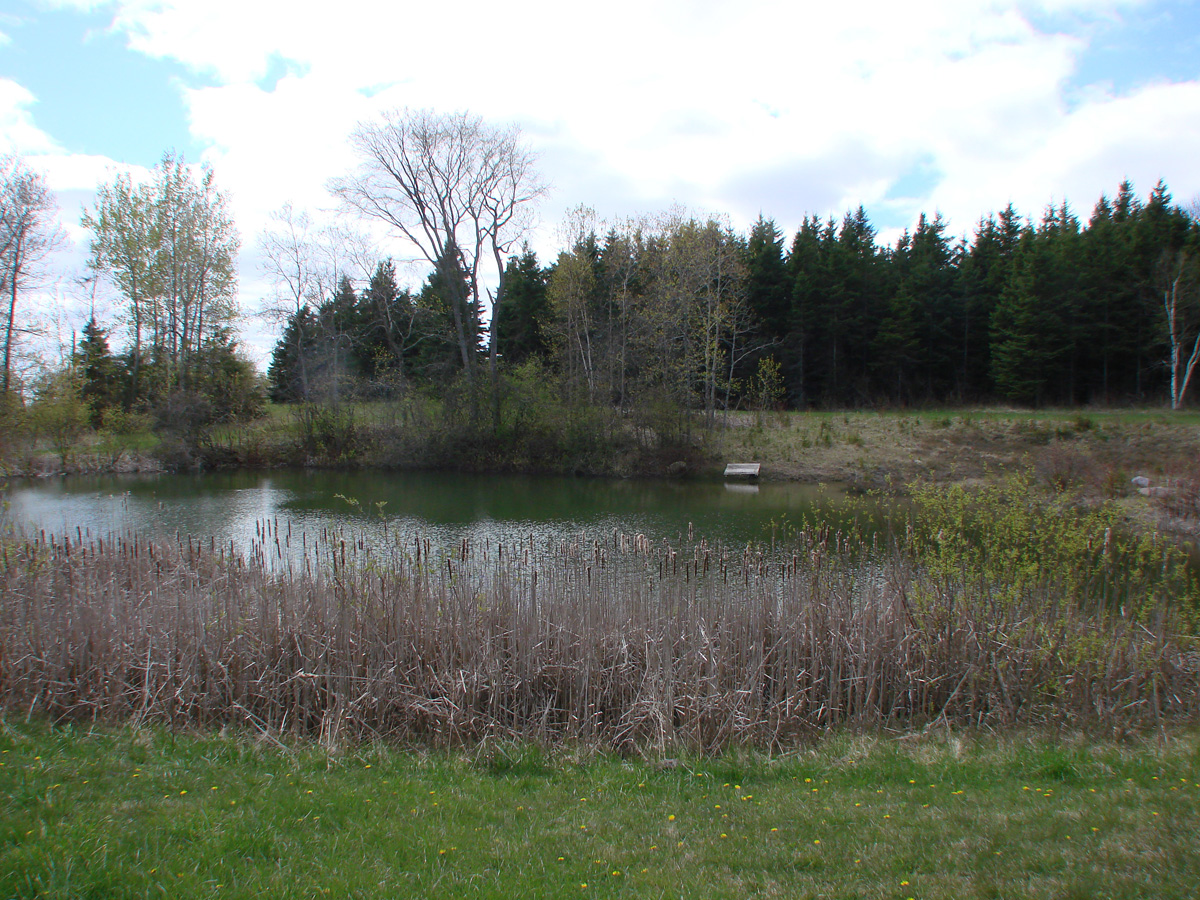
<point x="660" y="321"/>
<point x="169" y="246"/>
<point x="685" y="311"/>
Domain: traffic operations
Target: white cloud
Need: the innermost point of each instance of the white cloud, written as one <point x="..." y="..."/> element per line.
<point x="771" y="106"/>
<point x="18" y="133"/>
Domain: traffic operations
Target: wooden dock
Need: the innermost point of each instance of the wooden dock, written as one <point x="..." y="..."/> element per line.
<point x="742" y="470"/>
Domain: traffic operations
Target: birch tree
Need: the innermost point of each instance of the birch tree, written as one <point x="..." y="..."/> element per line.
<point x="28" y="235"/>
<point x="170" y="246"/>
<point x="1180" y="287"/>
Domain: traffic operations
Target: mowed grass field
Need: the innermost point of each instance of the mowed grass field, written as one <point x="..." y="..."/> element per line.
<point x="125" y="812"/>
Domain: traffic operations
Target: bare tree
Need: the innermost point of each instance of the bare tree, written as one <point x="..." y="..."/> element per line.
<point x="292" y="260"/>
<point x="29" y="233"/>
<point x="457" y="189"/>
<point x="306" y="263"/>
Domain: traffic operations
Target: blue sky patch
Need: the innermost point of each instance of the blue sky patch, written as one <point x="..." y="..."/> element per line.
<point x="917" y="181"/>
<point x="94" y="95"/>
<point x="1156" y="42"/>
<point x="278" y="68"/>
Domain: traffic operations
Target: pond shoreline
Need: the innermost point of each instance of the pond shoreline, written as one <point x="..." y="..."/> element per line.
<point x="1096" y="454"/>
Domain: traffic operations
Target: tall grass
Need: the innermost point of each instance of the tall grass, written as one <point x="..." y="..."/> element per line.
<point x="622" y="643"/>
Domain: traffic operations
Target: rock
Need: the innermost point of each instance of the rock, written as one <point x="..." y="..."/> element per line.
<point x="1141" y="481"/>
<point x="677" y="468"/>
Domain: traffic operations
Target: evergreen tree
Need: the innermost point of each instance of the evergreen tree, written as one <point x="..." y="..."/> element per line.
<point x="767" y="290"/>
<point x="984" y="270"/>
<point x="288" y="374"/>
<point x="923" y="268"/>
<point x="1028" y="339"/>
<point x="523" y="310"/>
<point x="99" y="373"/>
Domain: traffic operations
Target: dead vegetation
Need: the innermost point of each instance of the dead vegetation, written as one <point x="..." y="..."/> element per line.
<point x="623" y="643"/>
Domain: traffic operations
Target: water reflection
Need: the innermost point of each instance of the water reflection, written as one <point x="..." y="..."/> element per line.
<point x="232" y="507"/>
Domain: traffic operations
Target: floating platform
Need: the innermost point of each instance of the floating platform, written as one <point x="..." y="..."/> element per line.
<point x="742" y="470"/>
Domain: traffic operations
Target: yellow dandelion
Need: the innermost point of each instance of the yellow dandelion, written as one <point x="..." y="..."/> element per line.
<point x="671" y="818"/>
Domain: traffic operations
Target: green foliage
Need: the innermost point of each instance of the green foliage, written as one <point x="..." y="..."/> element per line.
<point x="768" y="387"/>
<point x="170" y="246"/>
<point x="328" y="433"/>
<point x="59" y="411"/>
<point x="1007" y="542"/>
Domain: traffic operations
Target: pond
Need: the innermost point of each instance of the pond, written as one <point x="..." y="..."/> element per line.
<point x="236" y="507"/>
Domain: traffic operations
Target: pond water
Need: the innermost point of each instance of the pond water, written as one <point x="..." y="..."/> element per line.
<point x="235" y="507"/>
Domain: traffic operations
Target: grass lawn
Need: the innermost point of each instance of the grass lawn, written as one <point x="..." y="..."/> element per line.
<point x="118" y="812"/>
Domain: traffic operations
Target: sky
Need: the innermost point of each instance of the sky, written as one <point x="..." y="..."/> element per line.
<point x="783" y="108"/>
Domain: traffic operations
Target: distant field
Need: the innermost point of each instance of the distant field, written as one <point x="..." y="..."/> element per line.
<point x="1097" y="450"/>
<point x="129" y="813"/>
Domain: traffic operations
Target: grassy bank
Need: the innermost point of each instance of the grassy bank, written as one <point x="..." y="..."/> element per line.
<point x="1099" y="450"/>
<point x="1094" y="449"/>
<point x="142" y="812"/>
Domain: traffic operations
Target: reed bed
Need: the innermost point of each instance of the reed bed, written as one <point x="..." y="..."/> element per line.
<point x="620" y="643"/>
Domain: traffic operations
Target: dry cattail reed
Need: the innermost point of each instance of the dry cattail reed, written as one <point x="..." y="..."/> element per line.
<point x="624" y="643"/>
